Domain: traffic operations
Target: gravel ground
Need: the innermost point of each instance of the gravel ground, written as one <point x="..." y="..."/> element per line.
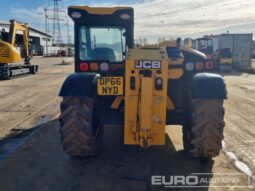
<point x="29" y="107"/>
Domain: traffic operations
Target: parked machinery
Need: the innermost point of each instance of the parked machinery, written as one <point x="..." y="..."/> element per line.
<point x="10" y="54"/>
<point x="142" y="88"/>
<point x="224" y="59"/>
<point x="205" y="45"/>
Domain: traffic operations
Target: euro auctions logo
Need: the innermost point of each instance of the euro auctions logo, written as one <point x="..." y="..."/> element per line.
<point x="203" y="180"/>
<point x="175" y="181"/>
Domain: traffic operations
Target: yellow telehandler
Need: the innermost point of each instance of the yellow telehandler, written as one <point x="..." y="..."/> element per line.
<point x="142" y="88"/>
<point x="10" y="55"/>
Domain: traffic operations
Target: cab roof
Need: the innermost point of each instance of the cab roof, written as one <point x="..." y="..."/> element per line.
<point x="100" y="10"/>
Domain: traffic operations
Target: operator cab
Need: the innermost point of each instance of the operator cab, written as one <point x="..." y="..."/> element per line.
<point x="102" y="44"/>
<point x="102" y="36"/>
<point x="205" y="45"/>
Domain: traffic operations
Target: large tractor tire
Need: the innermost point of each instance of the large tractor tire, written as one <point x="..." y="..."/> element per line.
<point x="203" y="135"/>
<point x="81" y="133"/>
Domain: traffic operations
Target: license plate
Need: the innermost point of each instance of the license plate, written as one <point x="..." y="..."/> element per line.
<point x="110" y="86"/>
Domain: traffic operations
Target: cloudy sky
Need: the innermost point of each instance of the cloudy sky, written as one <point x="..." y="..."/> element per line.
<point x="154" y="18"/>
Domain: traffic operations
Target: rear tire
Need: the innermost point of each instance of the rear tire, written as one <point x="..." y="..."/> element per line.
<point x="81" y="134"/>
<point x="203" y="134"/>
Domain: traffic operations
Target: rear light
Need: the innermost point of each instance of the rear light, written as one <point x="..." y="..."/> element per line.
<point x="209" y="65"/>
<point x="190" y="66"/>
<point x="84" y="66"/>
<point x="94" y="66"/>
<point x="104" y="66"/>
<point x="199" y="66"/>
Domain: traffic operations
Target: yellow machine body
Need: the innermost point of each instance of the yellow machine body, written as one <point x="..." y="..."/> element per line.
<point x="8" y="52"/>
<point x="145" y="106"/>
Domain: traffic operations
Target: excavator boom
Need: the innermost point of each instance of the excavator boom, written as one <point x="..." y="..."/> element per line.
<point x="14" y="28"/>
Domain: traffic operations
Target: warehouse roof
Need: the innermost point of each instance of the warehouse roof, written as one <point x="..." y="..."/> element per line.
<point x="7" y="24"/>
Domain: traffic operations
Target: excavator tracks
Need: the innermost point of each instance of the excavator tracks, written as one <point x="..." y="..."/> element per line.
<point x="11" y="71"/>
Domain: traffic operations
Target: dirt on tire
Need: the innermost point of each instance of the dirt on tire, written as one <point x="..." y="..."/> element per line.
<point x="78" y="135"/>
<point x="204" y="136"/>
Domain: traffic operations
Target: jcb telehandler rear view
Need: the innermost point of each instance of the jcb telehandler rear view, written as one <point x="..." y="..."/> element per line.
<point x="142" y="88"/>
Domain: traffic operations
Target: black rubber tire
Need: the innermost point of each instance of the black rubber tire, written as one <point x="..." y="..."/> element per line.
<point x="81" y="134"/>
<point x="203" y="135"/>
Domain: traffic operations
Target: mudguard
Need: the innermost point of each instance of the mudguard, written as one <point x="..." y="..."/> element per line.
<point x="79" y="84"/>
<point x="208" y="86"/>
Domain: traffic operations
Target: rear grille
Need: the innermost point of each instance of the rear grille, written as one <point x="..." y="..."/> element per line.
<point x="4" y="50"/>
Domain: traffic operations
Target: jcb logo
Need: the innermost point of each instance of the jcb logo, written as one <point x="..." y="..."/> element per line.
<point x="148" y="64"/>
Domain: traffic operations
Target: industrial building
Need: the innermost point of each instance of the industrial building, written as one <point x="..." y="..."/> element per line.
<point x="38" y="40"/>
<point x="253" y="49"/>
